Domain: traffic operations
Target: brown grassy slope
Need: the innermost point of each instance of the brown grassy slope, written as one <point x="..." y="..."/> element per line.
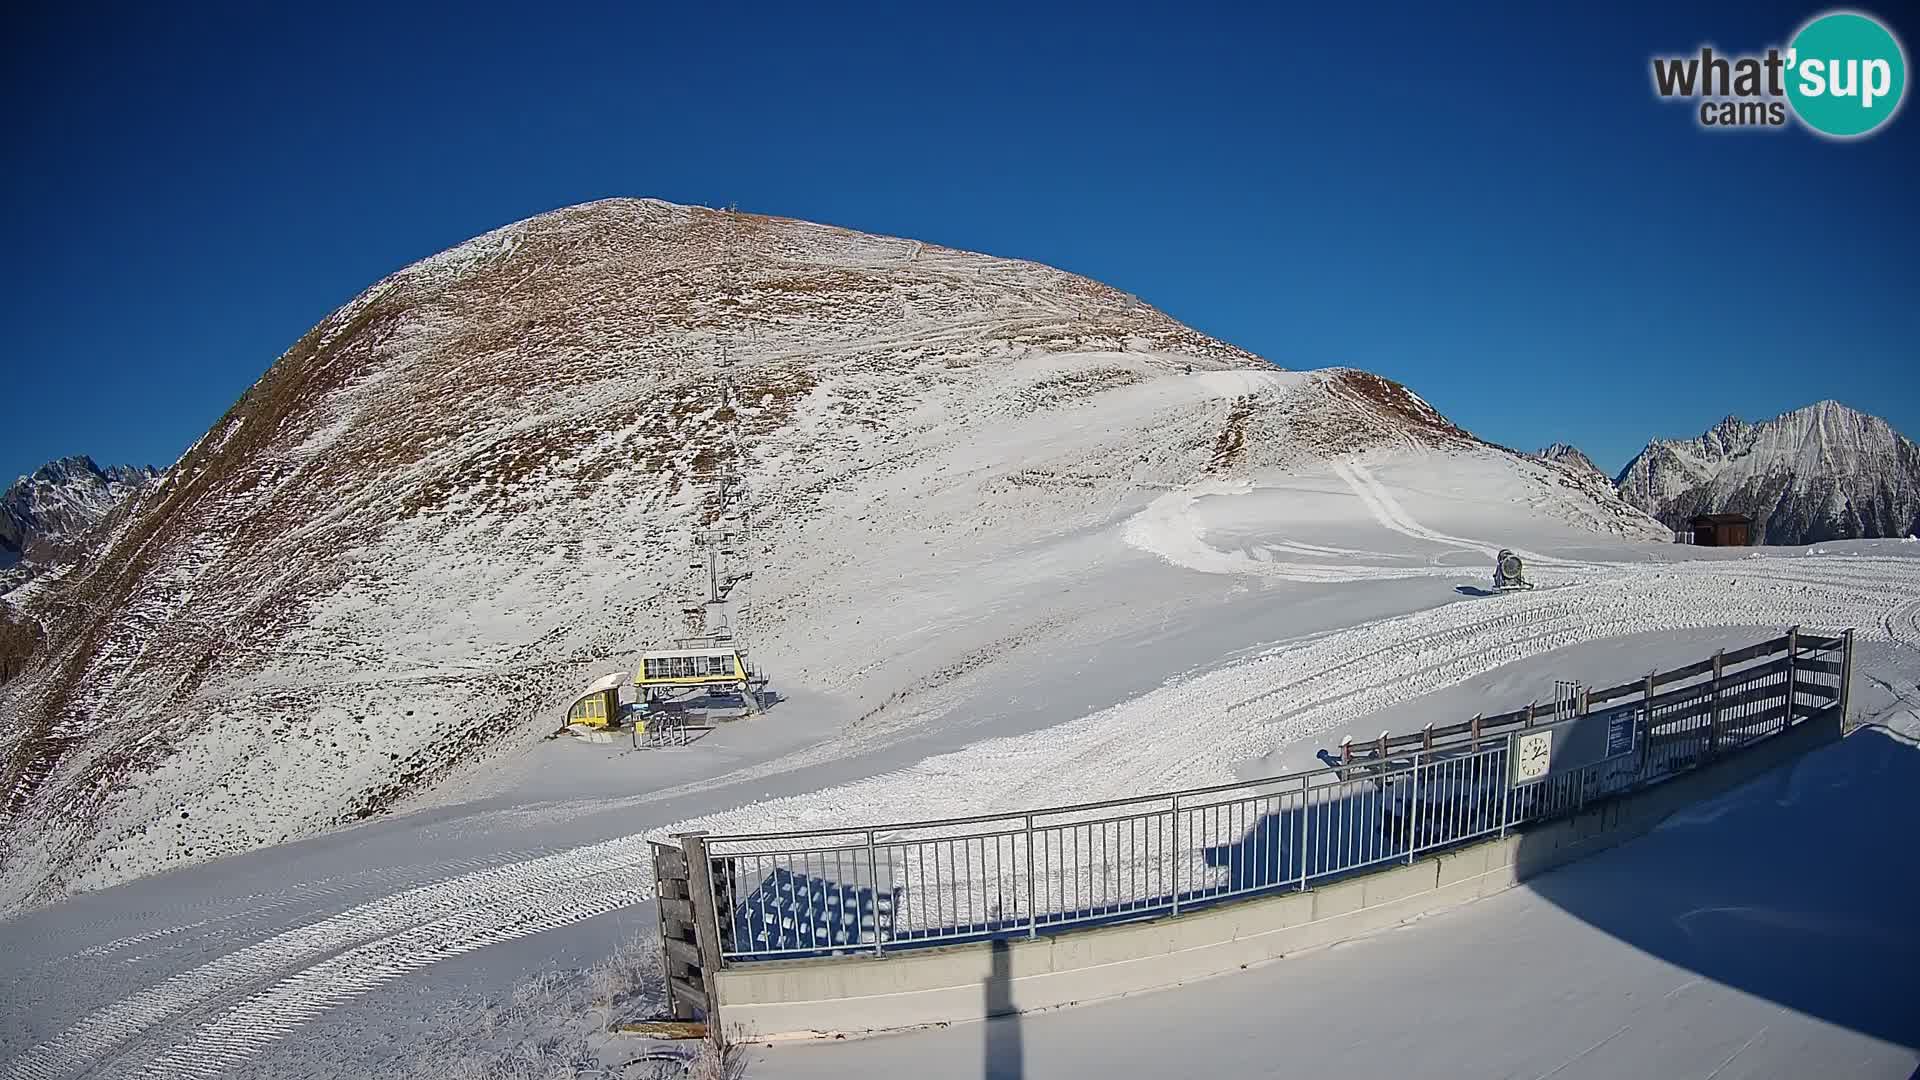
<point x="573" y="349"/>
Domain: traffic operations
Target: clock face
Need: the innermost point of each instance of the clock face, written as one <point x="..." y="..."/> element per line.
<point x="1532" y="755"/>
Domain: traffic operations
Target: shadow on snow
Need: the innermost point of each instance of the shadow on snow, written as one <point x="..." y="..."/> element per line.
<point x="1798" y="887"/>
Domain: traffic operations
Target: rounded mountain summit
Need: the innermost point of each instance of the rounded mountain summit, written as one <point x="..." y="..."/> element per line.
<point x="477" y="485"/>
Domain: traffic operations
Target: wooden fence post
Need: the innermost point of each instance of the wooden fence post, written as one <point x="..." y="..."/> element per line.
<point x="706" y="928"/>
<point x="679" y="957"/>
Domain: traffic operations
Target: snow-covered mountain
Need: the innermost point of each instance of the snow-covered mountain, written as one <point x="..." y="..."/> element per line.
<point x="476" y="485"/>
<point x="1824" y="472"/>
<point x="1576" y="472"/>
<point x="1571" y="457"/>
<point x="58" y="502"/>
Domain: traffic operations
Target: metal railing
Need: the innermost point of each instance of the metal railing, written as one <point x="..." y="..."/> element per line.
<point x="881" y="888"/>
<point x="661" y="729"/>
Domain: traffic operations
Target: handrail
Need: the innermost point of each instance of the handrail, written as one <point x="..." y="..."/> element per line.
<point x="865" y="889"/>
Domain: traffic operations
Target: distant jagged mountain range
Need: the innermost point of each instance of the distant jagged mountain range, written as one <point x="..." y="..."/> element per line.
<point x="1824" y="472"/>
<point x="57" y="503"/>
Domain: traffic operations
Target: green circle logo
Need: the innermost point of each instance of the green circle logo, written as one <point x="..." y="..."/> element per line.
<point x="1846" y="74"/>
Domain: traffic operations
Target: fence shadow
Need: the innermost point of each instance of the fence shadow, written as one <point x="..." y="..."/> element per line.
<point x="788" y="911"/>
<point x="1274" y="851"/>
<point x="1798" y="888"/>
<point x="1268" y="855"/>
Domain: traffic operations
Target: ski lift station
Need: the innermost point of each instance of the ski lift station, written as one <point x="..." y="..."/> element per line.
<point x="599" y="706"/>
<point x="689" y="668"/>
<point x="712" y="665"/>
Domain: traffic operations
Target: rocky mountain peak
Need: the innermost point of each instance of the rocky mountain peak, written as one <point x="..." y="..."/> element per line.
<point x="1821" y="472"/>
<point x="60" y="501"/>
<point x="1571" y="457"/>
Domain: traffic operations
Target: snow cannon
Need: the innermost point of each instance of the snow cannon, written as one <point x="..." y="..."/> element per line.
<point x="1508" y="572"/>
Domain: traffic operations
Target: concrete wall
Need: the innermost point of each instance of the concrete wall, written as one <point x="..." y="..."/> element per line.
<point x="967" y="982"/>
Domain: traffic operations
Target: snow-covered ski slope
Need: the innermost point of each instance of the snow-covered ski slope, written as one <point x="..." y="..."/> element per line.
<point x="307" y="959"/>
<point x="476" y="486"/>
<point x="1200" y="728"/>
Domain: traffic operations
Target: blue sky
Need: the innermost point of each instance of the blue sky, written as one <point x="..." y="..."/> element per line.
<point x="1493" y="209"/>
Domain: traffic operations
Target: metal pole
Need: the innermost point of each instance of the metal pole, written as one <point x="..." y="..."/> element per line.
<point x="1793" y="673"/>
<point x="1413" y="815"/>
<point x="1846" y="674"/>
<point x="873" y="884"/>
<point x="1176" y="854"/>
<point x="1579" y="701"/>
<point x="1506" y="790"/>
<point x="1300" y="833"/>
<point x="1713" y="729"/>
<point x="1033" y="913"/>
<point x="1646" y="729"/>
